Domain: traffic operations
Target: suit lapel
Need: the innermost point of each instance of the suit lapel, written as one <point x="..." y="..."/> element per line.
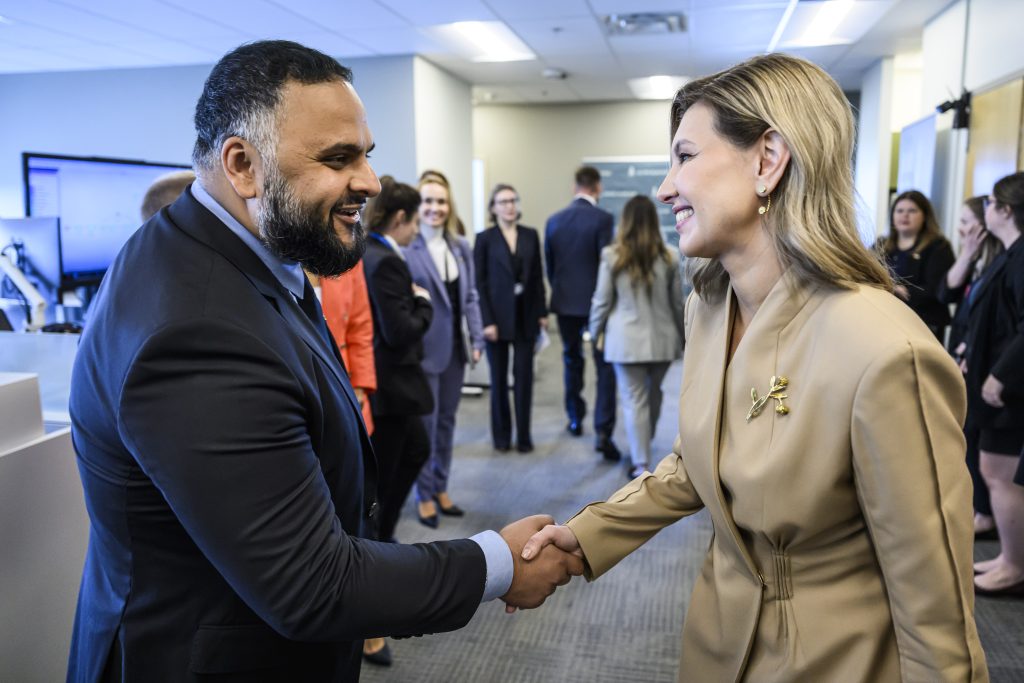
<point x="419" y="252"/>
<point x="502" y="249"/>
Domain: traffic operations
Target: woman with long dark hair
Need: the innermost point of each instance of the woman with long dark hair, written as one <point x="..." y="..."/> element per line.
<point x="919" y="256"/>
<point x="636" y="316"/>
<point x="510" y="279"/>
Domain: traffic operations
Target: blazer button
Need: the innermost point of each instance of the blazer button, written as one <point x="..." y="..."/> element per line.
<point x="373" y="510"/>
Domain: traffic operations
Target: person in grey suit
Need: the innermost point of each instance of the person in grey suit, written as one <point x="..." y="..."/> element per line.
<point x="573" y="239"/>
<point x="636" y="316"/>
<point x="442" y="263"/>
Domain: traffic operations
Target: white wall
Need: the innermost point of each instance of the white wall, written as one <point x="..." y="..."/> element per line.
<point x="874" y="149"/>
<point x="995" y="51"/>
<point x="147" y="114"/>
<point x="444" y="132"/>
<point x="537" y="148"/>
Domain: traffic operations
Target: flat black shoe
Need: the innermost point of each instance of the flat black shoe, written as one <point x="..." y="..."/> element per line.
<point x="451" y="511"/>
<point x="432" y="521"/>
<point x="607" y="448"/>
<point x="574" y="427"/>
<point x="987" y="535"/>
<point x="525" y="447"/>
<point x="381" y="657"/>
<point x="502" y="447"/>
<point x="635" y="471"/>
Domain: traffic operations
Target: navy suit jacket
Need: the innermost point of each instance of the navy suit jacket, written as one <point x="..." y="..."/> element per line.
<point x="224" y="463"/>
<point x="573" y="241"/>
<point x="496" y="281"/>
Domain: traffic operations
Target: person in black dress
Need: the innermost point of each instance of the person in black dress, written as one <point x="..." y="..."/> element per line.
<point x="995" y="377"/>
<point x="511" y="285"/>
<point x="919" y="256"/>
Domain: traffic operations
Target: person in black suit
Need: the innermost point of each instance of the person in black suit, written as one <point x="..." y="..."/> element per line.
<point x="994" y="362"/>
<point x="220" y="445"/>
<point x="510" y="280"/>
<point x="573" y="240"/>
<point x="919" y="256"/>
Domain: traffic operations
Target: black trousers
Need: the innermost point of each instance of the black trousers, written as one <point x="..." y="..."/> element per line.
<point x="571" y="328"/>
<point x="522" y="371"/>
<point x="402" y="447"/>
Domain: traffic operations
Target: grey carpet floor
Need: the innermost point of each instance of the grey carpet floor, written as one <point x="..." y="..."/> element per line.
<point x="624" y="627"/>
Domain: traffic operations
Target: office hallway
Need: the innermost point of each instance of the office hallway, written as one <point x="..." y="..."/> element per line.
<point x="624" y="627"/>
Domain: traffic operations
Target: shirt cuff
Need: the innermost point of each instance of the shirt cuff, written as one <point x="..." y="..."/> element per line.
<point x="499" y="564"/>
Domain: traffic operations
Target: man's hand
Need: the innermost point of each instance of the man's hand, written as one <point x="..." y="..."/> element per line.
<point x="549" y="567"/>
<point x="360" y="395"/>
<point x="491" y="332"/>
<point x="992" y="392"/>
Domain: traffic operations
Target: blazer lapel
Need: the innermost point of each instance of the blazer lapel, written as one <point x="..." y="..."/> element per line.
<point x="419" y="252"/>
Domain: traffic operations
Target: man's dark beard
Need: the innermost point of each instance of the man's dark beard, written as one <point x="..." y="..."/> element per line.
<point x="294" y="231"/>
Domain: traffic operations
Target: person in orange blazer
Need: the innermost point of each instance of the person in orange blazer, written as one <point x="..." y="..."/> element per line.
<point x="819" y="418"/>
<point x="346" y="307"/>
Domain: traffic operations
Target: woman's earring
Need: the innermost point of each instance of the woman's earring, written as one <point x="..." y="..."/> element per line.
<point x="761" y="189"/>
<point x="762" y="210"/>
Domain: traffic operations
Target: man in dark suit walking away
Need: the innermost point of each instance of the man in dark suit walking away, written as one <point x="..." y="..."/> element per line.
<point x="227" y="472"/>
<point x="573" y="242"/>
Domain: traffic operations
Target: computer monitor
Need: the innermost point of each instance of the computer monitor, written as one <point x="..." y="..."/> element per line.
<point x="32" y="244"/>
<point x="97" y="200"/>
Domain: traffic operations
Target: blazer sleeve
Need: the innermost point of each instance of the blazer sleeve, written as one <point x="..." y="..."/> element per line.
<point x="471" y="308"/>
<point x="243" y="480"/>
<point x="481" y="256"/>
<point x="362" y="371"/>
<point x="537" y="268"/>
<point x="402" y="318"/>
<point x="913" y="488"/>
<point x="604" y="295"/>
<point x="549" y="252"/>
<point x="937" y="260"/>
<point x="1009" y="368"/>
<point x="609" y="531"/>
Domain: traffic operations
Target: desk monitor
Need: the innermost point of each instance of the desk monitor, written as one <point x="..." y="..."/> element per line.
<point x="98" y="201"/>
<point x="33" y="245"/>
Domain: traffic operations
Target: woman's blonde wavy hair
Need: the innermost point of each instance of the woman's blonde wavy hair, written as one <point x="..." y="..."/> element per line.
<point x="812" y="220"/>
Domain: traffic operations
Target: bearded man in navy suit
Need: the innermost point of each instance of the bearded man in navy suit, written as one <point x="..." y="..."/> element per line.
<point x="227" y="471"/>
<point x="573" y="241"/>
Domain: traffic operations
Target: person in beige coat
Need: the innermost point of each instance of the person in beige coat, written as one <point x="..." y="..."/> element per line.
<point x="819" y="419"/>
<point x="636" y="316"/>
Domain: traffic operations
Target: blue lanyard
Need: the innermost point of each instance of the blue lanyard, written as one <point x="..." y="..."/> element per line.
<point x="380" y="238"/>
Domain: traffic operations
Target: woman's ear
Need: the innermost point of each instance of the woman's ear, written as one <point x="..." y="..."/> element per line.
<point x="399" y="219"/>
<point x="773" y="160"/>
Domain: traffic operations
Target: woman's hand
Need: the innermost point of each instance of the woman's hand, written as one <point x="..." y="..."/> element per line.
<point x="902" y="292"/>
<point x="561" y="536"/>
<point x="992" y="392"/>
<point x="491" y="333"/>
<point x="970" y="243"/>
<point x="476" y="355"/>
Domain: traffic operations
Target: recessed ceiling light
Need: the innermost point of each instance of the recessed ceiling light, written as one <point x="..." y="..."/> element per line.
<point x="482" y="41"/>
<point x="657" y="87"/>
<point x="826" y="21"/>
<point x="5" y="20"/>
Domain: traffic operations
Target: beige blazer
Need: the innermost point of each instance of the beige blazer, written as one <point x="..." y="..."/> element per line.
<point x="843" y="529"/>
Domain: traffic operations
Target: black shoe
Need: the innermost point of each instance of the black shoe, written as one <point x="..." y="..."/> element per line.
<point x="432" y="521"/>
<point x="525" y="446"/>
<point x="451" y="511"/>
<point x="607" y="448"/>
<point x="381" y="657"/>
<point x="574" y="427"/>
<point x="502" y="447"/>
<point x="635" y="471"/>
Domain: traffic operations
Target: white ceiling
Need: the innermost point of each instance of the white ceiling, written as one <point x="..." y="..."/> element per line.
<point x="64" y="35"/>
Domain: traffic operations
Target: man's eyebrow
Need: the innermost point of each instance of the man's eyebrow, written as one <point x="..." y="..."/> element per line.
<point x="345" y="148"/>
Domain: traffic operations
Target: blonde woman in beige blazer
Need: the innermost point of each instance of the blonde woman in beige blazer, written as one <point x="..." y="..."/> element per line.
<point x="636" y="315"/>
<point x="819" y="420"/>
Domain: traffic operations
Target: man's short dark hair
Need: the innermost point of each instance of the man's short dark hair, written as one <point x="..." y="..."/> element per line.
<point x="588" y="177"/>
<point x="242" y="92"/>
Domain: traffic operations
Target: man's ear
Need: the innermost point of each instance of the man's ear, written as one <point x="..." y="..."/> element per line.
<point x="241" y="166"/>
<point x="773" y="160"/>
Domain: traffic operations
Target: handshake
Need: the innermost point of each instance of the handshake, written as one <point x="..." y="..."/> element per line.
<point x="544" y="556"/>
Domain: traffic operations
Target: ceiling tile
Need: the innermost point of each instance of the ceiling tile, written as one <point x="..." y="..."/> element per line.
<point x="255" y="18"/>
<point x="575" y="36"/>
<point x="342" y="16"/>
<point x="540" y="9"/>
<point x="157" y="17"/>
<point x="73" y="21"/>
<point x="433" y="13"/>
<point x="329" y="43"/>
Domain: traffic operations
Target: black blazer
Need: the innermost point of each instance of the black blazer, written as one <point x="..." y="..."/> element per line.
<point x="224" y="461"/>
<point x="995" y="340"/>
<point x="926" y="272"/>
<point x="573" y="240"/>
<point x="400" y="319"/>
<point x="496" y="280"/>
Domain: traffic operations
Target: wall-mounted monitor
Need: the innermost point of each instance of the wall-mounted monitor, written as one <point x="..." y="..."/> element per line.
<point x="97" y="200"/>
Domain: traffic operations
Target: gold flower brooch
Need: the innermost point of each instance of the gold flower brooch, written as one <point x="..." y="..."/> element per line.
<point x="778" y="385"/>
